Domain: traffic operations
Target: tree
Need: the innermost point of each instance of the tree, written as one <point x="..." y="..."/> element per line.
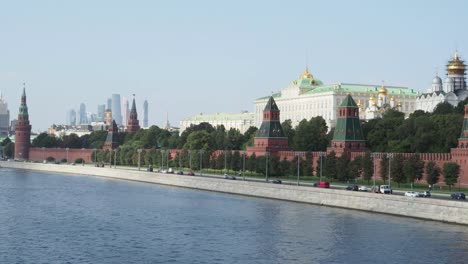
<point x="443" y="108"/>
<point x="396" y="169"/>
<point x="43" y="140"/>
<point x="384" y="168"/>
<point x="432" y="172"/>
<point x="311" y="135"/>
<point x="252" y="163"/>
<point x="329" y="167"/>
<point x="288" y="131"/>
<point x="367" y="167"/>
<point x="285" y="166"/>
<point x="9" y="149"/>
<point x="413" y="169"/>
<point x="355" y="167"/>
<point x="451" y="172"/>
<point x="343" y="163"/>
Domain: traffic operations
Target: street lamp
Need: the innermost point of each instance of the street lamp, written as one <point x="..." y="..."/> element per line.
<point x="95" y="156"/>
<point x="390" y="157"/>
<point x="298" y="163"/>
<point x="139" y="157"/>
<point x="266" y="165"/>
<point x="243" y="165"/>
<point x="321" y="156"/>
<point x="201" y="161"/>
<point x="115" y="159"/>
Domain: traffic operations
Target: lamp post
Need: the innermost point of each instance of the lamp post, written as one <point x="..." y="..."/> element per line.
<point x="266" y="165"/>
<point x="390" y="157"/>
<point x="190" y="159"/>
<point x="95" y="156"/>
<point x="373" y="155"/>
<point x="298" y="163"/>
<point x="139" y="158"/>
<point x="321" y="156"/>
<point x="243" y="165"/>
<point x="167" y="158"/>
<point x="201" y="162"/>
<point x="115" y="159"/>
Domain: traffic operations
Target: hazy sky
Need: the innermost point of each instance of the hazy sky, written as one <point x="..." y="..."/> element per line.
<point x="188" y="57"/>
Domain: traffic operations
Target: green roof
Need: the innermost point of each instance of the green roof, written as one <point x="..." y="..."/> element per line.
<point x="351" y="88"/>
<point x="348" y="102"/>
<point x="349" y="127"/>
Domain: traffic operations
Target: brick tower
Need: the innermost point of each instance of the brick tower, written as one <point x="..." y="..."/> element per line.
<point x="460" y="153"/>
<point x="22" y="131"/>
<point x="270" y="137"/>
<point x="348" y="136"/>
<point x="133" y="123"/>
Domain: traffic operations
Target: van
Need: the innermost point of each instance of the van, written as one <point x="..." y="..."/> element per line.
<point x="385" y="189"/>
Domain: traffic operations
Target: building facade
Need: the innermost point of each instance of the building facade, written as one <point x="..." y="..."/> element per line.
<point x="145" y="114"/>
<point x="83" y="115"/>
<point x="23" y="131"/>
<point x="116" y="109"/>
<point x="453" y="89"/>
<point x="125" y="112"/>
<point x="4" y="117"/>
<point x="307" y="97"/>
<point x="241" y="121"/>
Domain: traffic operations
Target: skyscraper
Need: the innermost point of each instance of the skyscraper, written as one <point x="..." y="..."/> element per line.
<point x="100" y="112"/>
<point x="125" y="112"/>
<point x="109" y="103"/>
<point x="71" y="117"/>
<point x="83" y="117"/>
<point x="145" y="114"/>
<point x="116" y="109"/>
<point x="4" y="117"/>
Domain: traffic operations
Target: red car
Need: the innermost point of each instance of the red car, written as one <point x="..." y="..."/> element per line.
<point x="323" y="184"/>
<point x="191" y="173"/>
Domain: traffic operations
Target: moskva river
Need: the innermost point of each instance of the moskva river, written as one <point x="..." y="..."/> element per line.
<point x="55" y="218"/>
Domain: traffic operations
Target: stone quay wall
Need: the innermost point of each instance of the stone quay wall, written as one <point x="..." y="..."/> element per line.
<point x="431" y="209"/>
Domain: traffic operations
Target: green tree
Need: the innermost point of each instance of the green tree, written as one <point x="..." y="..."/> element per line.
<point x="311" y="135"/>
<point x="384" y="168"/>
<point x="396" y="168"/>
<point x="451" y="172"/>
<point x="330" y="166"/>
<point x="432" y="172"/>
<point x="9" y="150"/>
<point x="413" y="169"/>
<point x="43" y="140"/>
<point x="443" y="108"/>
<point x="251" y="163"/>
<point x="288" y="131"/>
<point x="343" y="163"/>
<point x="367" y="167"/>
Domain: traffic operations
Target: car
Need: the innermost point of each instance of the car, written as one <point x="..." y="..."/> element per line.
<point x="425" y="194"/>
<point x="163" y="171"/>
<point x="277" y="181"/>
<point x="458" y="196"/>
<point x="363" y="188"/>
<point x="170" y="170"/>
<point x="323" y="184"/>
<point x="190" y="173"/>
<point x="180" y="172"/>
<point x="411" y="194"/>
<point x="352" y="188"/>
<point x="385" y="189"/>
<point x="229" y="177"/>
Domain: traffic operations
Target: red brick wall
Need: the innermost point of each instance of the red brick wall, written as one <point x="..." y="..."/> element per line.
<point x="39" y="154"/>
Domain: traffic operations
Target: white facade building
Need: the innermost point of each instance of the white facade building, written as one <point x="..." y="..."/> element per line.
<point x="241" y="121"/>
<point x="307" y="97"/>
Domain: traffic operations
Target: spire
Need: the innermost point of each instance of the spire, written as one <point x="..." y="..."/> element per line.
<point x="133" y="111"/>
<point x="271" y="105"/>
<point x="455" y="56"/>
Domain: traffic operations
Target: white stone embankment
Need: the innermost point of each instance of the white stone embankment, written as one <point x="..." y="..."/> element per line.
<point x="424" y="208"/>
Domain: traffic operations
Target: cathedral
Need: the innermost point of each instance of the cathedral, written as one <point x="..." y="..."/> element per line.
<point x="452" y="90"/>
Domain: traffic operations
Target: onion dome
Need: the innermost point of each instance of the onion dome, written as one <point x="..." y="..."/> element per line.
<point x="380" y="98"/>
<point x="437" y="80"/>
<point x="382" y="90"/>
<point x="307" y="74"/>
<point x="372" y="98"/>
<point x="399" y="104"/>
<point x="456" y="66"/>
<point x="448" y="80"/>
<point x="359" y="103"/>
<point x="392" y="99"/>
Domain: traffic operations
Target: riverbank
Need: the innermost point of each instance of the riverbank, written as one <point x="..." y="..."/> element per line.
<point x="430" y="209"/>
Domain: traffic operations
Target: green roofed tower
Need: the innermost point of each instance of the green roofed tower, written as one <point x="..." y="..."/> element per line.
<point x="112" y="140"/>
<point x="348" y="136"/>
<point x="270" y="136"/>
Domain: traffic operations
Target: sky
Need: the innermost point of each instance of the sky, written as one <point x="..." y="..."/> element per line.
<point x="191" y="57"/>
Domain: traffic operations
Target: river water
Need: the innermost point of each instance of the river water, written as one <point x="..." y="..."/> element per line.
<point x="57" y="218"/>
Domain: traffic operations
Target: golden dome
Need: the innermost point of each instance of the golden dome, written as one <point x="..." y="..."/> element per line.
<point x="380" y="98"/>
<point x="306" y="74"/>
<point x="372" y="98"/>
<point x="399" y="104"/>
<point x="374" y="104"/>
<point x="382" y="90"/>
<point x="455" y="64"/>
<point x="392" y="99"/>
<point x="359" y="103"/>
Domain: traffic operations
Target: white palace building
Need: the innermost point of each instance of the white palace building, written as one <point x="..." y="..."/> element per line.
<point x="307" y="97"/>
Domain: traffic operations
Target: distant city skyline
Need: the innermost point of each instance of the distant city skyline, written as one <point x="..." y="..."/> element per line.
<point x="208" y="57"/>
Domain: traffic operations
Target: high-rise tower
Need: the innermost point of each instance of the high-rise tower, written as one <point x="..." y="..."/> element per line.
<point x="133" y="123"/>
<point x="71" y="117"/>
<point x="116" y="109"/>
<point x="4" y="117"/>
<point x="100" y="112"/>
<point x="83" y="116"/>
<point x="125" y="112"/>
<point x="22" y="131"/>
<point x="145" y="114"/>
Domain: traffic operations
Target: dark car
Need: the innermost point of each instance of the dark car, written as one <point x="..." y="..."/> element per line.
<point x="277" y="181"/>
<point x="229" y="177"/>
<point x="458" y="196"/>
<point x="180" y="172"/>
<point x="323" y="184"/>
<point x="352" y="188"/>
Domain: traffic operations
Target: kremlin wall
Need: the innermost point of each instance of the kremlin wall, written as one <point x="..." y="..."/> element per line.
<point x="270" y="140"/>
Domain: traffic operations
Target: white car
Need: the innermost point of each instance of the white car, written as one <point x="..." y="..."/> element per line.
<point x="412" y="194"/>
<point x="363" y="188"/>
